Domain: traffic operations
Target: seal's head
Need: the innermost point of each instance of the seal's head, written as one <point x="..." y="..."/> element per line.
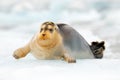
<point x="48" y="33"/>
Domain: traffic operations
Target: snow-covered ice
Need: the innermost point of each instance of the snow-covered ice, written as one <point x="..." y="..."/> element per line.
<point x="31" y="69"/>
<point x="20" y="20"/>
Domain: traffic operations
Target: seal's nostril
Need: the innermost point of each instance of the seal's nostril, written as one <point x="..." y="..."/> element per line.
<point x="43" y="34"/>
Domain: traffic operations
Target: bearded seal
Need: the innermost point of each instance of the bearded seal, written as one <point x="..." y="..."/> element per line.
<point x="56" y="41"/>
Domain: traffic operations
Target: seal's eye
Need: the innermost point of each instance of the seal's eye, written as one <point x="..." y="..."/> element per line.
<point x="41" y="30"/>
<point x="51" y="30"/>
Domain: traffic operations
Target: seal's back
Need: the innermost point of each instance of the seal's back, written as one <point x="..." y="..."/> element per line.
<point x="75" y="44"/>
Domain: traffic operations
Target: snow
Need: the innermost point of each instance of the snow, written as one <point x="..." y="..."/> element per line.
<point x="55" y="69"/>
<point x="20" y="20"/>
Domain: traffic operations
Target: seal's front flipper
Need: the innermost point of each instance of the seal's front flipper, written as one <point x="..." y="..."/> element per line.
<point x="21" y="52"/>
<point x="97" y="48"/>
<point x="68" y="58"/>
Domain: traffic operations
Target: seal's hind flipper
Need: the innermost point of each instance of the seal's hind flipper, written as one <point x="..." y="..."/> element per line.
<point x="97" y="48"/>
